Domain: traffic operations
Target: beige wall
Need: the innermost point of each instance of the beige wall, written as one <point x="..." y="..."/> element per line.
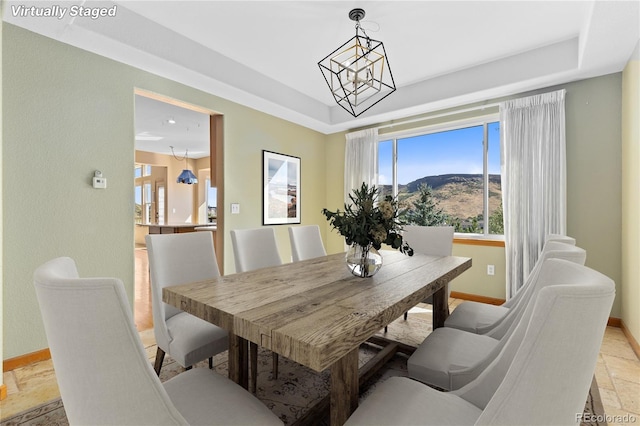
<point x="71" y="112"/>
<point x="631" y="195"/>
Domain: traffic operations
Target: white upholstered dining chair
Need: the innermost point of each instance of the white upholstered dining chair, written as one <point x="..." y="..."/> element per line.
<point x="102" y="368"/>
<point x="306" y="242"/>
<point x="179" y="259"/>
<point x="541" y="378"/>
<point x="450" y="358"/>
<point x="254" y="249"/>
<point x="431" y="240"/>
<point x="480" y="318"/>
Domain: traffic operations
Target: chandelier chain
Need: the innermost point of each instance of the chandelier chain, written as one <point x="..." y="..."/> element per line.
<point x="186" y="155"/>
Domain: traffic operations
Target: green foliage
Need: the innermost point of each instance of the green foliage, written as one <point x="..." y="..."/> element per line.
<point x="472" y="228"/>
<point x="496" y="221"/>
<point x="363" y="222"/>
<point x="426" y="210"/>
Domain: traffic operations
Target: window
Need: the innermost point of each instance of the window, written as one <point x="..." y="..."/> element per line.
<point x="160" y="202"/>
<point x="212" y="202"/>
<point x="446" y="175"/>
<point x="138" y="202"/>
<point x="147" y="202"/>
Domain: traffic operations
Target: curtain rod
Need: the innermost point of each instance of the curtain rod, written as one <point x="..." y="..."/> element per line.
<point x="443" y="114"/>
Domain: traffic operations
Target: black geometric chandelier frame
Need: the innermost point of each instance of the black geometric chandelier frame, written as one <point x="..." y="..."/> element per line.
<point x="358" y="72"/>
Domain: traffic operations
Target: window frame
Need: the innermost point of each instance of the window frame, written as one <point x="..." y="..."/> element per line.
<point x="483" y="120"/>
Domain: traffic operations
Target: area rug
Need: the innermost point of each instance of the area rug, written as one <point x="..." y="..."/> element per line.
<point x="297" y="388"/>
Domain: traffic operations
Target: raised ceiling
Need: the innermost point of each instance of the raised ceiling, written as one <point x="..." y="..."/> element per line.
<point x="264" y="54"/>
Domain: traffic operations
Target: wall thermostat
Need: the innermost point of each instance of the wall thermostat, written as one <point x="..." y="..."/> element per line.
<point x="99" y="182"/>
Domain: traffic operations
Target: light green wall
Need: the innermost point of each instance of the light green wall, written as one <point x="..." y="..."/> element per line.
<point x="593" y="111"/>
<point x="69" y="112"/>
<point x="475" y="280"/>
<point x="243" y="172"/>
<point x="631" y="195"/>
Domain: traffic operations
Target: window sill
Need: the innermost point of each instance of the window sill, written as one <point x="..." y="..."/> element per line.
<point x="479" y="240"/>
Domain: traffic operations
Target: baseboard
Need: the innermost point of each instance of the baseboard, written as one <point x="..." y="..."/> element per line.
<point x="476" y="298"/>
<point x="632" y="341"/>
<point x="22" y="360"/>
<point x="614" y="322"/>
<point x="3" y="391"/>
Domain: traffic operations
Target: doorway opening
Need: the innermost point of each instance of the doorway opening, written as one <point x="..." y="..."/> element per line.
<point x="171" y="135"/>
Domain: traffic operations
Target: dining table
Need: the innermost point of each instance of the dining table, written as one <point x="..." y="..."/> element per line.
<point x="316" y="313"/>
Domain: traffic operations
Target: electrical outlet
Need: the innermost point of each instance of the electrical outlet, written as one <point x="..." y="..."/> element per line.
<point x="235" y="208"/>
<point x="491" y="270"/>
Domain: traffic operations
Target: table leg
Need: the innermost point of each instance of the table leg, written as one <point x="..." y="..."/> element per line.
<point x="253" y="366"/>
<point x="440" y="306"/>
<point x="344" y="388"/>
<point x="238" y="360"/>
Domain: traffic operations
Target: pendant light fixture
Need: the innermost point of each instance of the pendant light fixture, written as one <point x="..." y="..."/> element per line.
<point x="187" y="175"/>
<point x="358" y="72"/>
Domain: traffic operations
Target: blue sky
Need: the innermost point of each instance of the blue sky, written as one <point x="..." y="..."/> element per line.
<point x="455" y="151"/>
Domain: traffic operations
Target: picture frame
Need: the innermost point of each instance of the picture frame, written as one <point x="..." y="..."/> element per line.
<point x="280" y="189"/>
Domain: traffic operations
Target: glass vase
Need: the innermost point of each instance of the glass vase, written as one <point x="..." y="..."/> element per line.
<point x="364" y="261"/>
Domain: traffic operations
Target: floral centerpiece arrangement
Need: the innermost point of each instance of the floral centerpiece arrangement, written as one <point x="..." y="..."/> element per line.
<point x="365" y="226"/>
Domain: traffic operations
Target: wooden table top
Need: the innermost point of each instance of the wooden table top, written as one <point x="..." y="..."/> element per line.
<point x="314" y="312"/>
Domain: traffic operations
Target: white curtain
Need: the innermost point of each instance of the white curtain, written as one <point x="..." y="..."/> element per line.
<point x="533" y="179"/>
<point x="361" y="160"/>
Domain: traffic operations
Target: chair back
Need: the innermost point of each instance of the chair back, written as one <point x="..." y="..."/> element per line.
<point x="255" y="248"/>
<point x="432" y="240"/>
<point x="544" y="376"/>
<point x="551" y="250"/>
<point x="101" y="367"/>
<point x="177" y="259"/>
<point x="504" y="332"/>
<point x="306" y="242"/>
<point x="560" y="238"/>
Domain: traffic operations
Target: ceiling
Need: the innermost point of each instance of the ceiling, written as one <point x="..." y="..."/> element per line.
<point x="264" y="54"/>
<point x="160" y="126"/>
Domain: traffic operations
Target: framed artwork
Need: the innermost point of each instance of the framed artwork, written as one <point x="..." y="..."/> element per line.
<point x="280" y="189"/>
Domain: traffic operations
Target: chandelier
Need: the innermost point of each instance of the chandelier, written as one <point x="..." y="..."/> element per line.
<point x="358" y="72"/>
<point x="187" y="176"/>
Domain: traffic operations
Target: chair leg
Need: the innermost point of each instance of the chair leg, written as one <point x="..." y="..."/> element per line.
<point x="406" y="315"/>
<point x="210" y="363"/>
<point x="275" y="365"/>
<point x="253" y="361"/>
<point x="159" y="359"/>
<point x="385" y="328"/>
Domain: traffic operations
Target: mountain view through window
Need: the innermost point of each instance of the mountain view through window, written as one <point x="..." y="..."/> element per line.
<point x="444" y="177"/>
